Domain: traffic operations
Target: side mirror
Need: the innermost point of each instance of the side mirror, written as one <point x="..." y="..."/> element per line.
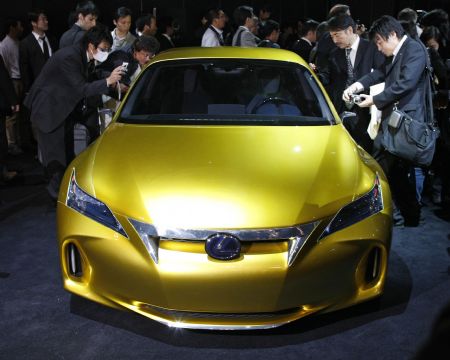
<point x="348" y="117"/>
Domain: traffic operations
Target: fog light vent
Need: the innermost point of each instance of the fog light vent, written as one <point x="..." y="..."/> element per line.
<point x="373" y="264"/>
<point x="74" y="261"/>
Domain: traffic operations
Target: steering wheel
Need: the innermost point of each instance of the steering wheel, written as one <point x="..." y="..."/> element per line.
<point x="271" y="100"/>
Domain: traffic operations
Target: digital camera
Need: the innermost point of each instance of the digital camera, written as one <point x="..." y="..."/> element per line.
<point x="355" y="99"/>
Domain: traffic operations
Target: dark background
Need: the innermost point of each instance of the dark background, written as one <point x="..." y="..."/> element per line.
<point x="189" y="12"/>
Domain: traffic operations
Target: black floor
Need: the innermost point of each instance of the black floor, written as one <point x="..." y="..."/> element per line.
<point x="39" y="320"/>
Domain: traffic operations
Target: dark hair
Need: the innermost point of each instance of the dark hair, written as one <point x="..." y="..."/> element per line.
<point x="338" y="9"/>
<point x="96" y="35"/>
<point x="384" y="25"/>
<point x="72" y="18"/>
<point x="212" y="14"/>
<point x="144" y="20"/>
<point x="434" y="17"/>
<point x="241" y="13"/>
<point x="146" y="43"/>
<point x="269" y="27"/>
<point x="122" y="12"/>
<point x="321" y="29"/>
<point x="309" y="25"/>
<point x="86" y="8"/>
<point x="33" y="16"/>
<point x="410" y="28"/>
<point x="266" y="8"/>
<point x="11" y="23"/>
<point x="407" y="14"/>
<point x="341" y="22"/>
<point x="163" y="23"/>
<point x="438" y="18"/>
<point x="430" y="32"/>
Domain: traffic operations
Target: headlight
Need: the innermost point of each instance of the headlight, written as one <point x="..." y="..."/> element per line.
<point x="89" y="206"/>
<point x="363" y="207"/>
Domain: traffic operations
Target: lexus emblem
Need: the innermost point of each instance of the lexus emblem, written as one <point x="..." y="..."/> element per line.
<point x="223" y="246"/>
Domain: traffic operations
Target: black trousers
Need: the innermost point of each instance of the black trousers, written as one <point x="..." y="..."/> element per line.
<point x="3" y="144"/>
<point x="403" y="188"/>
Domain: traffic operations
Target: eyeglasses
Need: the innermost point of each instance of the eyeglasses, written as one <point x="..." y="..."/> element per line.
<point x="103" y="50"/>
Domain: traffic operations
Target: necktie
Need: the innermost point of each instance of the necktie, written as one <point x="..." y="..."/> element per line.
<point x="45" y="46"/>
<point x="350" y="76"/>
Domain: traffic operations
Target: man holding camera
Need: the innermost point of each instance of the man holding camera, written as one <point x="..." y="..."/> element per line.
<point x="352" y="58"/>
<point x="58" y="90"/>
<point x="405" y="87"/>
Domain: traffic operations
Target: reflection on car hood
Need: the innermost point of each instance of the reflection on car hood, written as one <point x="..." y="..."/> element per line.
<point x="225" y="176"/>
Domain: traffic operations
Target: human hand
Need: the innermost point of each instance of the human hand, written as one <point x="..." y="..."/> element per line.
<point x="123" y="88"/>
<point x="367" y="100"/>
<point x="15" y="108"/>
<point x="352" y="89"/>
<point x="115" y="76"/>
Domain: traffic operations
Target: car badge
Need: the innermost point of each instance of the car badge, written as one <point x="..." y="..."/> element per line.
<point x="223" y="246"/>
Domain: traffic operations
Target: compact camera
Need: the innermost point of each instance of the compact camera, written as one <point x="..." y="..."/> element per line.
<point x="355" y="99"/>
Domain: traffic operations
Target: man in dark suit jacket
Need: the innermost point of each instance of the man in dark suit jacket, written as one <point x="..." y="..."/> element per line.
<point x="405" y="85"/>
<point x="86" y="14"/>
<point x="165" y="33"/>
<point x="32" y="52"/>
<point x="60" y="87"/>
<point x="363" y="56"/>
<point x="304" y="45"/>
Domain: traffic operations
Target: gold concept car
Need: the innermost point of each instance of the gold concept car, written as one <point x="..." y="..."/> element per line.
<point x="225" y="194"/>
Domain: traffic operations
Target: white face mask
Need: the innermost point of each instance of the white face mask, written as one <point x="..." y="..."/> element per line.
<point x="100" y="56"/>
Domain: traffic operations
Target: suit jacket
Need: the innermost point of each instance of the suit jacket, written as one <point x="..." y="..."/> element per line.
<point x="61" y="85"/>
<point x="7" y="94"/>
<point x="325" y="46"/>
<point x="31" y="59"/>
<point x="334" y="75"/>
<point x="164" y="43"/>
<point x="71" y="36"/>
<point x="302" y="48"/>
<point x="404" y="81"/>
<point x="244" y="38"/>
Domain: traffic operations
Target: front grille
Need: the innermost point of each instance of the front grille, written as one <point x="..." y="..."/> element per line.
<point x="208" y="315"/>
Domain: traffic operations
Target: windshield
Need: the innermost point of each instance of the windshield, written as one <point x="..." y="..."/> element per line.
<point x="227" y="91"/>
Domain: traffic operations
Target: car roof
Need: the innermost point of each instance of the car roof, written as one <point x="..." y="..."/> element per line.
<point x="232" y="52"/>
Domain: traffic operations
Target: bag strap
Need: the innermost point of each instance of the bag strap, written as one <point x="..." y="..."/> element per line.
<point x="238" y="39"/>
<point x="218" y="36"/>
<point x="429" y="87"/>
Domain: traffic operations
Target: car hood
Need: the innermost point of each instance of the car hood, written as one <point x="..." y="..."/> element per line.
<point x="224" y="176"/>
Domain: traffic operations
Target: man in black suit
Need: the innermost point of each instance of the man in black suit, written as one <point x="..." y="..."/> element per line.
<point x="304" y="45"/>
<point x="405" y="85"/>
<point x="86" y="14"/>
<point x="59" y="89"/>
<point x="166" y="31"/>
<point x="352" y="58"/>
<point x="35" y="49"/>
<point x="325" y="44"/>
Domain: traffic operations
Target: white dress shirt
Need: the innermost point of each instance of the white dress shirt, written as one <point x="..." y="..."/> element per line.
<point x="9" y="49"/>
<point x="41" y="42"/>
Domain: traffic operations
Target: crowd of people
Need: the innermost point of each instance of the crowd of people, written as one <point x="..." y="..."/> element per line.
<point x="48" y="86"/>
